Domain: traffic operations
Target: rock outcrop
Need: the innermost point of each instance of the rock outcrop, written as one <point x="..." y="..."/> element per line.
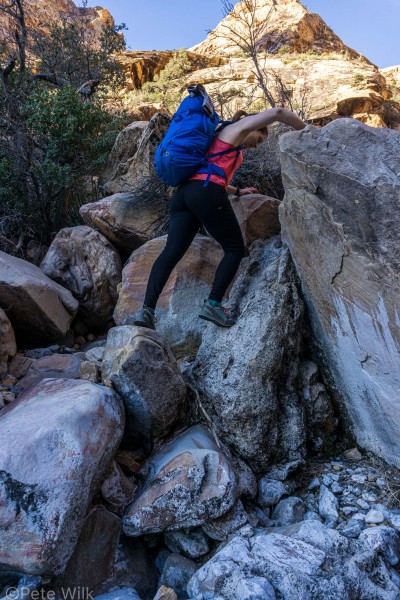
<point x="125" y="219"/>
<point x="38" y="16"/>
<point x="299" y="557"/>
<point x="132" y="156"/>
<point x="258" y="217"/>
<point x="340" y="219"/>
<point x="183" y="293"/>
<point x="141" y="66"/>
<point x="85" y="263"/>
<point x="190" y="482"/>
<point x="287" y="24"/>
<point x="257" y="359"/>
<point x="57" y="441"/>
<point x="142" y="368"/>
<point x="324" y="78"/>
<point x="39" y="309"/>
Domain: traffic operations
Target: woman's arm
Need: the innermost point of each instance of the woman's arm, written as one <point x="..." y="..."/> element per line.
<point x="231" y="189"/>
<point x="237" y="132"/>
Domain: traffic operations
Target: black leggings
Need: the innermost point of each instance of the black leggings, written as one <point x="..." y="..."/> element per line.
<point x="193" y="205"/>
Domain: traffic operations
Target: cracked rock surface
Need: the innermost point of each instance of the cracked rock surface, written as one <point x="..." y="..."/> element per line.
<point x="340" y="219"/>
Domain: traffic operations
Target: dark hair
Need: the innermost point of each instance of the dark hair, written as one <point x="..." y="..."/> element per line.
<point x="239" y="114"/>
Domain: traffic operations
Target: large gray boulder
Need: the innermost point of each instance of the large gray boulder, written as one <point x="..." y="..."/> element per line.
<point x="190" y="481"/>
<point x="39" y="309"/>
<point x="306" y="560"/>
<point x="246" y="375"/>
<point x="142" y="368"/>
<point x="85" y="263"/>
<point x="57" y="441"/>
<point x="341" y="220"/>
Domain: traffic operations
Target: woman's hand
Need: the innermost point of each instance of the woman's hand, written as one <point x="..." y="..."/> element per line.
<point x="248" y="190"/>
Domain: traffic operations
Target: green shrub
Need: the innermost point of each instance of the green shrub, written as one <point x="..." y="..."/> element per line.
<point x="70" y="140"/>
<point x="358" y="80"/>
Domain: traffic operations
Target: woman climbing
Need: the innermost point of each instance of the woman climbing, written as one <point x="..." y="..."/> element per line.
<point x="194" y="204"/>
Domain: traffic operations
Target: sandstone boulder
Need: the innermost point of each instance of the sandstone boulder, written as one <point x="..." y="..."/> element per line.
<point x="258" y="217"/>
<point x="120" y="157"/>
<point x="183" y="294"/>
<point x="190" y="482"/>
<point x="132" y="156"/>
<point x="8" y="347"/>
<point x="57" y="441"/>
<point x="257" y="358"/>
<point x="142" y="368"/>
<point x="125" y="219"/>
<point x="39" y="309"/>
<point x="55" y="366"/>
<point x="84" y="262"/>
<point x="340" y="219"/>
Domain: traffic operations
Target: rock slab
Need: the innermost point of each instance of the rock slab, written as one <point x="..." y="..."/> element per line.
<point x="257" y="359"/>
<point x="39" y="309"/>
<point x="340" y="219"/>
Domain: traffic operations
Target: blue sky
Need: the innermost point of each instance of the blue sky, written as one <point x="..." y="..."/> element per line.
<point x="369" y="27"/>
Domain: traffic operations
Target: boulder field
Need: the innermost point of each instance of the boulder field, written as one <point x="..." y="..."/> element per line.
<point x="193" y="462"/>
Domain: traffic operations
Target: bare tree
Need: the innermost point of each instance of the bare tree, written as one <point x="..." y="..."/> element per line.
<point x="298" y="101"/>
<point x="245" y="31"/>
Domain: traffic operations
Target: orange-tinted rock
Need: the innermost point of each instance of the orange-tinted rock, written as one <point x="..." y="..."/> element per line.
<point x="38" y="16"/>
<point x="183" y="294"/>
<point x="258" y="217"/>
<point x="290" y="25"/>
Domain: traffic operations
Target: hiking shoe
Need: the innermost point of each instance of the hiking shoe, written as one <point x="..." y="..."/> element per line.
<point x="216" y="314"/>
<point x="143" y="318"/>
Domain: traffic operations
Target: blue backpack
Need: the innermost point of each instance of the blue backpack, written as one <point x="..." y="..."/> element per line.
<point x="183" y="150"/>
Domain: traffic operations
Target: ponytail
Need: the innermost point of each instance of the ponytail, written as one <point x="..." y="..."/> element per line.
<point x="239" y="114"/>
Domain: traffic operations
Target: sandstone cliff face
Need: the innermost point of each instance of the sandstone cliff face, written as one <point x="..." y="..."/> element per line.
<point x="290" y="24"/>
<point x="329" y="86"/>
<point x="141" y="66"/>
<point x="40" y="13"/>
<point x="324" y="78"/>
